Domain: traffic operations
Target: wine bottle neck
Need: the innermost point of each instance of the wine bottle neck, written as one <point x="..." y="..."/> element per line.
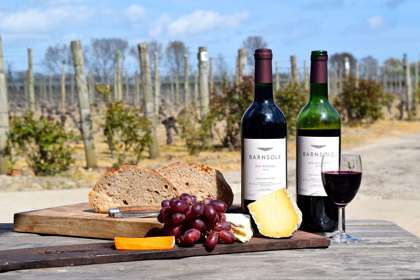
<point x="263" y="92"/>
<point x="318" y="92"/>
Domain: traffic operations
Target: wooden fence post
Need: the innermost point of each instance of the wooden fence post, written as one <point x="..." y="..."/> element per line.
<point x="277" y="78"/>
<point x="203" y="81"/>
<point x="91" y="88"/>
<point x="196" y="98"/>
<point x="157" y="84"/>
<point x="347" y="68"/>
<point x="148" y="107"/>
<point x="137" y="99"/>
<point x="408" y="87"/>
<point x="31" y="88"/>
<point x="294" y="74"/>
<point x="186" y="80"/>
<point x="50" y="91"/>
<point x="84" y="106"/>
<point x="63" y="89"/>
<point x="177" y="94"/>
<point x="241" y="62"/>
<point x="305" y="76"/>
<point x="4" y="115"/>
<point x="117" y="78"/>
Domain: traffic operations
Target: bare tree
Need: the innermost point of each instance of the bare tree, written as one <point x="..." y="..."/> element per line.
<point x="175" y="58"/>
<point x="55" y="56"/>
<point x="152" y="48"/>
<point x="103" y="55"/>
<point x="251" y="43"/>
<point x="369" y="67"/>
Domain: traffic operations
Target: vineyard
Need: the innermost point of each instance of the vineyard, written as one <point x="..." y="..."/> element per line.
<point x="89" y="108"/>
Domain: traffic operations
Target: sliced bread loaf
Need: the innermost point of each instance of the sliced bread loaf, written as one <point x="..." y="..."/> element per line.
<point x="198" y="179"/>
<point x="130" y="185"/>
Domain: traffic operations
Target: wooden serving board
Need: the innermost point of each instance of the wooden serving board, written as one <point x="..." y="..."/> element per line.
<point x="99" y="253"/>
<point x="81" y="221"/>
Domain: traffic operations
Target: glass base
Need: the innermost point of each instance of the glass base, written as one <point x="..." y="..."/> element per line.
<point x="340" y="237"/>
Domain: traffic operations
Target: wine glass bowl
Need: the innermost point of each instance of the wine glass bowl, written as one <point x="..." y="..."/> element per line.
<point x="341" y="187"/>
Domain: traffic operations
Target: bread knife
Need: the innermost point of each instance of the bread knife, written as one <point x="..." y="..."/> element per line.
<point x="132" y="212"/>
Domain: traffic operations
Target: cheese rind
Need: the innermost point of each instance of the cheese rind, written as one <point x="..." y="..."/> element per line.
<point x="276" y="214"/>
<point x="241" y="226"/>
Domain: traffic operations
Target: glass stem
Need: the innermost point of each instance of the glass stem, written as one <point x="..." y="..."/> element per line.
<point x="341" y="219"/>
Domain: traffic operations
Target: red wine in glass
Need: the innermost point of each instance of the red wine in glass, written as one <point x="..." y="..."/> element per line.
<point x="341" y="186"/>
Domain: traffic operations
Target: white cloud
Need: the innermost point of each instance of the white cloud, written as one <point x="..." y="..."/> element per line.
<point x="196" y="22"/>
<point x="375" y="22"/>
<point x="46" y="20"/>
<point x="134" y="13"/>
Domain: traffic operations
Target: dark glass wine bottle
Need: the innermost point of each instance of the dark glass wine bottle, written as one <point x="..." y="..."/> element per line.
<point x="263" y="137"/>
<point x="318" y="133"/>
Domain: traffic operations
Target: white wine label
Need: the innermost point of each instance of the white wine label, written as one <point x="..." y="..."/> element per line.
<point x="310" y="152"/>
<point x="264" y="167"/>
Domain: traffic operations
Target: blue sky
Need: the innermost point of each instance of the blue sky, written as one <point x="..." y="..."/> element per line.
<point x="382" y="28"/>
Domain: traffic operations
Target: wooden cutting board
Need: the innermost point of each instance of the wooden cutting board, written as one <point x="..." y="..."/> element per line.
<point x="98" y="253"/>
<point x="81" y="221"/>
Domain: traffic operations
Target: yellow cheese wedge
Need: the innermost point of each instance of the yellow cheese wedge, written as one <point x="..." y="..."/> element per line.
<point x="276" y="214"/>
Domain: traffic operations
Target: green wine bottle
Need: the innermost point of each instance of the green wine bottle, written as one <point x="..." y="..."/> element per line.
<point x="318" y="133"/>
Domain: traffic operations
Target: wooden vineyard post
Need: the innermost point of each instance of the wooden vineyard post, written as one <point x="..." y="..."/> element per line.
<point x="408" y="87"/>
<point x="156" y="95"/>
<point x="177" y="95"/>
<point x="50" y="90"/>
<point x="117" y="78"/>
<point x="84" y="106"/>
<point x="294" y="74"/>
<point x="137" y="100"/>
<point x="241" y="62"/>
<point x="63" y="89"/>
<point x="346" y="68"/>
<point x="277" y="78"/>
<point x="91" y="88"/>
<point x="203" y="82"/>
<point x="186" y="80"/>
<point x="416" y="84"/>
<point x="305" y="76"/>
<point x="31" y="87"/>
<point x="4" y="114"/>
<point x="148" y="105"/>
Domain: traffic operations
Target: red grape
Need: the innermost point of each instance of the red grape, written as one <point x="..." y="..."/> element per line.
<point x="190" y="237"/>
<point x="222" y="217"/>
<point x="207" y="200"/>
<point x="210" y="213"/>
<point x="219" y="205"/>
<point x="226" y="237"/>
<point x="164" y="214"/>
<point x="175" y="231"/>
<point x="189" y="214"/>
<point x="219" y="226"/>
<point x="199" y="224"/>
<point x="194" y="199"/>
<point x="179" y="206"/>
<point x="177" y="218"/>
<point x="198" y="209"/>
<point x="211" y="241"/>
<point x="186" y="197"/>
<point x="164" y="203"/>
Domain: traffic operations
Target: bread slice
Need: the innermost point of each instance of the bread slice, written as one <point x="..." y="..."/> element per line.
<point x="198" y="179"/>
<point x="130" y="185"/>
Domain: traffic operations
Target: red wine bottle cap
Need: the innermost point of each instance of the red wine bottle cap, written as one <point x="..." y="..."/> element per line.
<point x="263" y="70"/>
<point x="319" y="63"/>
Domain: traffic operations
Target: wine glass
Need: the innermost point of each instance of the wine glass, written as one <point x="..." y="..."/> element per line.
<point x="341" y="184"/>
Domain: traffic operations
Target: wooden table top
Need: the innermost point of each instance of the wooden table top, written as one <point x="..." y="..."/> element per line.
<point x="385" y="252"/>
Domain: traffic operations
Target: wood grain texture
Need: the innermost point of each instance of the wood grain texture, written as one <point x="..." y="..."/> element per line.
<point x="99" y="253"/>
<point x="79" y="220"/>
<point x="386" y="252"/>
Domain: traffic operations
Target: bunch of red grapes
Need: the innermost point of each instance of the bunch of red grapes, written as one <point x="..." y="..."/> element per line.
<point x="192" y="221"/>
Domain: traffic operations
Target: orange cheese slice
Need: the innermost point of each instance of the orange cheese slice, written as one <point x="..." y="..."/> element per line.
<point x="145" y="243"/>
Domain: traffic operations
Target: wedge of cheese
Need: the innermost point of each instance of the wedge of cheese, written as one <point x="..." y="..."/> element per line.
<point x="241" y="226"/>
<point x="276" y="214"/>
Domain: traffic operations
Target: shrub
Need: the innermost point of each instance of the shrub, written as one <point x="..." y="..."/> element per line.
<point x="127" y="132"/>
<point x="229" y="109"/>
<point x="291" y="99"/>
<point x="363" y="103"/>
<point x="42" y="141"/>
<point x="196" y="133"/>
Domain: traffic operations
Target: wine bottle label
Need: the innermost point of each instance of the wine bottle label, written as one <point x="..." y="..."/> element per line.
<point x="310" y="152"/>
<point x="264" y="167"/>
